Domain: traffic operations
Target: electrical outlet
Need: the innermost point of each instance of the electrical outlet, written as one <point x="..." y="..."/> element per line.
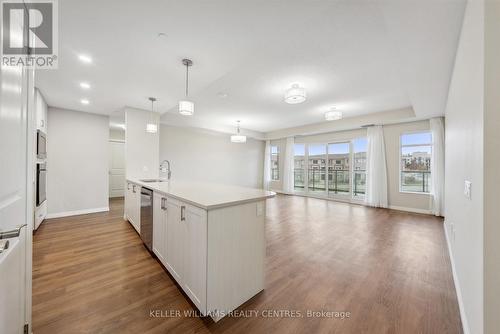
<point x="467" y="189"/>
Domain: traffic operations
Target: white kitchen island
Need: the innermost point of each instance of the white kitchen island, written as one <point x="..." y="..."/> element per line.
<point x="209" y="237"/>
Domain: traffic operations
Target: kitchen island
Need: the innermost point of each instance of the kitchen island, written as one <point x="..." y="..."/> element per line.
<point x="209" y="237"/>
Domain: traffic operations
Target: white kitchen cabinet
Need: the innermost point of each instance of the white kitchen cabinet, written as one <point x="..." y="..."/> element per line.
<point x="160" y="227"/>
<point x="182" y="245"/>
<point x="175" y="240"/>
<point x="133" y="205"/>
<point x="194" y="223"/>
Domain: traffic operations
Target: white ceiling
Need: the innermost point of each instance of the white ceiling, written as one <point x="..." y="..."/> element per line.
<point x="361" y="56"/>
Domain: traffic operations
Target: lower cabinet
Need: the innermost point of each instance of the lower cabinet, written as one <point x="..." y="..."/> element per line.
<point x="133" y="205"/>
<point x="180" y="242"/>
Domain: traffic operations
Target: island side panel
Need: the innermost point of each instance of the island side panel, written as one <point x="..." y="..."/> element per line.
<point x="236" y="255"/>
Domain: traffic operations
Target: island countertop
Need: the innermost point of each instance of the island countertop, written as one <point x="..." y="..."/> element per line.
<point x="207" y="196"/>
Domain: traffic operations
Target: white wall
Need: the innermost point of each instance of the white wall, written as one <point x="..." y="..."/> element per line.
<point x="77" y="162"/>
<point x="141" y="147"/>
<point x="392" y="133"/>
<point x="491" y="163"/>
<point x="208" y="156"/>
<point x="464" y="161"/>
<point x="116" y="134"/>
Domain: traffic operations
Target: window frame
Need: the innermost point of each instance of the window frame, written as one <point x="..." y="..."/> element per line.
<point x="278" y="152"/>
<point x="431" y="144"/>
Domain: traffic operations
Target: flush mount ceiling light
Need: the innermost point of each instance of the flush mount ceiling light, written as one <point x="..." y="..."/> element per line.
<point x="151" y="126"/>
<point x="238" y="137"/>
<point x="85" y="85"/>
<point x="333" y="115"/>
<point x="85" y="59"/>
<point x="84" y="101"/>
<point x="295" y="94"/>
<point x="186" y="107"/>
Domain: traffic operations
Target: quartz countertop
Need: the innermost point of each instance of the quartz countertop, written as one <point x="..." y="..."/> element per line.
<point x="207" y="196"/>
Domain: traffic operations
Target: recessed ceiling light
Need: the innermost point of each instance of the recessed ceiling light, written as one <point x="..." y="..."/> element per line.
<point x="333" y="114"/>
<point x="85" y="85"/>
<point x="84" y="101"/>
<point x="295" y="94"/>
<point x="85" y="59"/>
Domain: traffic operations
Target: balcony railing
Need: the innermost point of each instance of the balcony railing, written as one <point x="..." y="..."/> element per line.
<point x="338" y="181"/>
<point x="415" y="181"/>
<point x="275" y="174"/>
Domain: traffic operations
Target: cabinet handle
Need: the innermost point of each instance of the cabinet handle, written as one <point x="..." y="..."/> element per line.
<point x="128" y="186"/>
<point x="133" y="188"/>
<point x="163" y="203"/>
<point x="43" y="123"/>
<point x="183" y="213"/>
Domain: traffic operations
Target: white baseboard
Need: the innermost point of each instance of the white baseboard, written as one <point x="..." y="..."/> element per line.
<point x="402" y="208"/>
<point x="76" y="212"/>
<point x="463" y="317"/>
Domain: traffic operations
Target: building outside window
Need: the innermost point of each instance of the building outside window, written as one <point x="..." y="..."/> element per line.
<point x="275" y="163"/>
<point x="299" y="167"/>
<point x="359" y="167"/>
<point x="415" y="162"/>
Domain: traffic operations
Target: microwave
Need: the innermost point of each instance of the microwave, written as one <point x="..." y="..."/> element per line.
<point x="41" y="145"/>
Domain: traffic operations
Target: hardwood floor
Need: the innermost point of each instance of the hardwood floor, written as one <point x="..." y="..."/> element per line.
<point x="389" y="269"/>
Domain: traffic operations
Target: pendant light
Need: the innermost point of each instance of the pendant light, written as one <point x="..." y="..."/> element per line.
<point x="151" y="126"/>
<point x="333" y="114"/>
<point x="295" y="94"/>
<point x="238" y="138"/>
<point x="186" y="107"/>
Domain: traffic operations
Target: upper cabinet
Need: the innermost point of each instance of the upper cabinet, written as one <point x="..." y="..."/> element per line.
<point x="41" y="112"/>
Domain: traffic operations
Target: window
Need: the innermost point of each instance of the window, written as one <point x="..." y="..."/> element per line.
<point x="359" y="167"/>
<point x="299" y="157"/>
<point x="317" y="168"/>
<point x="339" y="177"/>
<point x="415" y="163"/>
<point x="275" y="163"/>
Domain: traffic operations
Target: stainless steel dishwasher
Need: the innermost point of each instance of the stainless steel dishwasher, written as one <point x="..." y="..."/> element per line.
<point x="147" y="217"/>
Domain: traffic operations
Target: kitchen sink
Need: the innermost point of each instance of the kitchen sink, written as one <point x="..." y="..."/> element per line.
<point x="153" y="180"/>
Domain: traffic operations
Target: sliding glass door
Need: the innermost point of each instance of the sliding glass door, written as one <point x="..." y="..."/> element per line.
<point x="336" y="170"/>
<point x="339" y="173"/>
<point x="317" y="161"/>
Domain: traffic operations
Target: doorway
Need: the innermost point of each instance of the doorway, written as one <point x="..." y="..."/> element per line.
<point x="116" y="168"/>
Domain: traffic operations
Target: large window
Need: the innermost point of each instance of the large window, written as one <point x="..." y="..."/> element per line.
<point x="317" y="168"/>
<point x="339" y="176"/>
<point x="299" y="167"/>
<point x="416" y="152"/>
<point x="275" y="163"/>
<point x="359" y="167"/>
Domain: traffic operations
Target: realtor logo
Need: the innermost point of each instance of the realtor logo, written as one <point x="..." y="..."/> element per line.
<point x="29" y="33"/>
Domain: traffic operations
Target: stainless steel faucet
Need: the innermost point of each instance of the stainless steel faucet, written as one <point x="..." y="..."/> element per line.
<point x="164" y="169"/>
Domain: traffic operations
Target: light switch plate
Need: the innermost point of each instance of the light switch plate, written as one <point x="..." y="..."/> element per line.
<point x="467" y="189"/>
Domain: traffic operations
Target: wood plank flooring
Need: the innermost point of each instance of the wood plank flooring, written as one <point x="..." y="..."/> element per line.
<point x="389" y="269"/>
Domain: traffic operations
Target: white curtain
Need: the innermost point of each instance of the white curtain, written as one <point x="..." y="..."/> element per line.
<point x="267" y="166"/>
<point x="376" y="168"/>
<point x="288" y="165"/>
<point x="437" y="166"/>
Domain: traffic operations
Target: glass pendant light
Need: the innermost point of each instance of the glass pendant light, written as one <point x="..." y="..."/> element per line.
<point x="333" y="114"/>
<point x="151" y="126"/>
<point x="295" y="94"/>
<point x="186" y="107"/>
<point x="238" y="138"/>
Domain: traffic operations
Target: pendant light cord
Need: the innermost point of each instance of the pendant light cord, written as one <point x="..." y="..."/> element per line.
<point x="187" y="79"/>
